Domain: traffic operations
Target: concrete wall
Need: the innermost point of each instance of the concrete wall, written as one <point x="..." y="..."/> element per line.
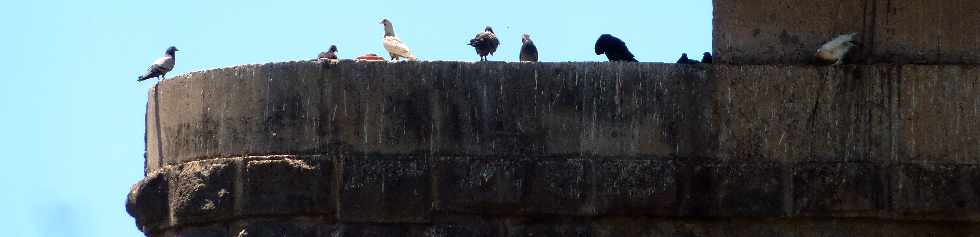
<point x="789" y="32"/>
<point x="506" y="149"/>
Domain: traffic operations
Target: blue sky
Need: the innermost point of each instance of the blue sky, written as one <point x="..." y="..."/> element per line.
<point x="71" y="111"/>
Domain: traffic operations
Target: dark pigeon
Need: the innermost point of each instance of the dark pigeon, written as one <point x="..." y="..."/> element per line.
<point x="485" y="43"/>
<point x="161" y="66"/>
<point x="614" y="48"/>
<point x="685" y="60"/>
<point x="330" y="54"/>
<point x="529" y="52"/>
<point x="706" y="58"/>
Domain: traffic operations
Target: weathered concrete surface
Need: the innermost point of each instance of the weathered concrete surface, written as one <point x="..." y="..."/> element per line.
<point x="593" y="149"/>
<point x="457" y="196"/>
<point x="789" y="32"/>
<point x="776" y="113"/>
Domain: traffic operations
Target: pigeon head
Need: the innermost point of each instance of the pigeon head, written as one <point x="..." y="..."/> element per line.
<point x="488" y="29"/>
<point x="684" y="55"/>
<point x="706" y="55"/>
<point x="171" y="50"/>
<point x="333" y="48"/>
<point x="389" y="29"/>
<point x="602" y="43"/>
<point x="525" y="38"/>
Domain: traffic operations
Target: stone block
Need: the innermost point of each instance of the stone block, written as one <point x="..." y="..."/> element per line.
<point x="148" y="201"/>
<point x="839" y="189"/>
<point x="560" y="193"/>
<point x="733" y="189"/>
<point x="635" y="187"/>
<point x="480" y="185"/>
<point x="381" y="189"/>
<point x="936" y="191"/>
<point x="204" y="192"/>
<point x="288" y="185"/>
<point x="938" y="113"/>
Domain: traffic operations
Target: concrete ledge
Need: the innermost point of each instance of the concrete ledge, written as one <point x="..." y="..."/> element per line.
<point x="422" y="190"/>
<point x="772" y="113"/>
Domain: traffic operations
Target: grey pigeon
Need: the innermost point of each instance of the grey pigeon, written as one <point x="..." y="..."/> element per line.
<point x="161" y="66"/>
<point x="835" y="50"/>
<point x="485" y="43"/>
<point x="330" y="54"/>
<point x="529" y="52"/>
<point x="685" y="60"/>
<point x="706" y="58"/>
<point x="614" y="48"/>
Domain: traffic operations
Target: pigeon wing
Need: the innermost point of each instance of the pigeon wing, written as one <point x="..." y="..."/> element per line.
<point x="396" y="47"/>
<point x="164" y="64"/>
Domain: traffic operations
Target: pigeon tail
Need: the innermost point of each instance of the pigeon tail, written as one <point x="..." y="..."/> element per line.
<point x="150" y="73"/>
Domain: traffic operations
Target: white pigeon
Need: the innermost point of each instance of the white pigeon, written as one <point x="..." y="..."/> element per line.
<point x="161" y="66"/>
<point x="396" y="48"/>
<point x="836" y="49"/>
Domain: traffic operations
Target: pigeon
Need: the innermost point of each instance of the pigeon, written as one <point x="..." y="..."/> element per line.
<point x="529" y="52"/>
<point x="685" y="60"/>
<point x="485" y="43"/>
<point x="706" y="58"/>
<point x="835" y="50"/>
<point x="395" y="47"/>
<point x="330" y="54"/>
<point x="161" y="66"/>
<point x="614" y="48"/>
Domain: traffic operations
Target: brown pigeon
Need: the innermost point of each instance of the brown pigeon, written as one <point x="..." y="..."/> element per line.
<point x="485" y="43"/>
<point x="330" y="54"/>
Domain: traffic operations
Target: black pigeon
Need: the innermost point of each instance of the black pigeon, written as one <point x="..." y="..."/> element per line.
<point x="529" y="52"/>
<point x="614" y="48"/>
<point x="685" y="60"/>
<point x="161" y="66"/>
<point x="706" y="58"/>
<point x="485" y="43"/>
<point x="330" y="54"/>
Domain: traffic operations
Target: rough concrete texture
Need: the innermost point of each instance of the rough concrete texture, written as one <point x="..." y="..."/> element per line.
<point x="789" y="32"/>
<point x="773" y="113"/>
<point x="589" y="149"/>
<point x="536" y="195"/>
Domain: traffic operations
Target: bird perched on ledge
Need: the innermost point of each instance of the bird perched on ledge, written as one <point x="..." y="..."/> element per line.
<point x="836" y="49"/>
<point x="394" y="45"/>
<point x="614" y="48"/>
<point x="706" y="58"/>
<point x="529" y="52"/>
<point x="161" y="66"/>
<point x="485" y="43"/>
<point x="685" y="60"/>
<point x="331" y="54"/>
